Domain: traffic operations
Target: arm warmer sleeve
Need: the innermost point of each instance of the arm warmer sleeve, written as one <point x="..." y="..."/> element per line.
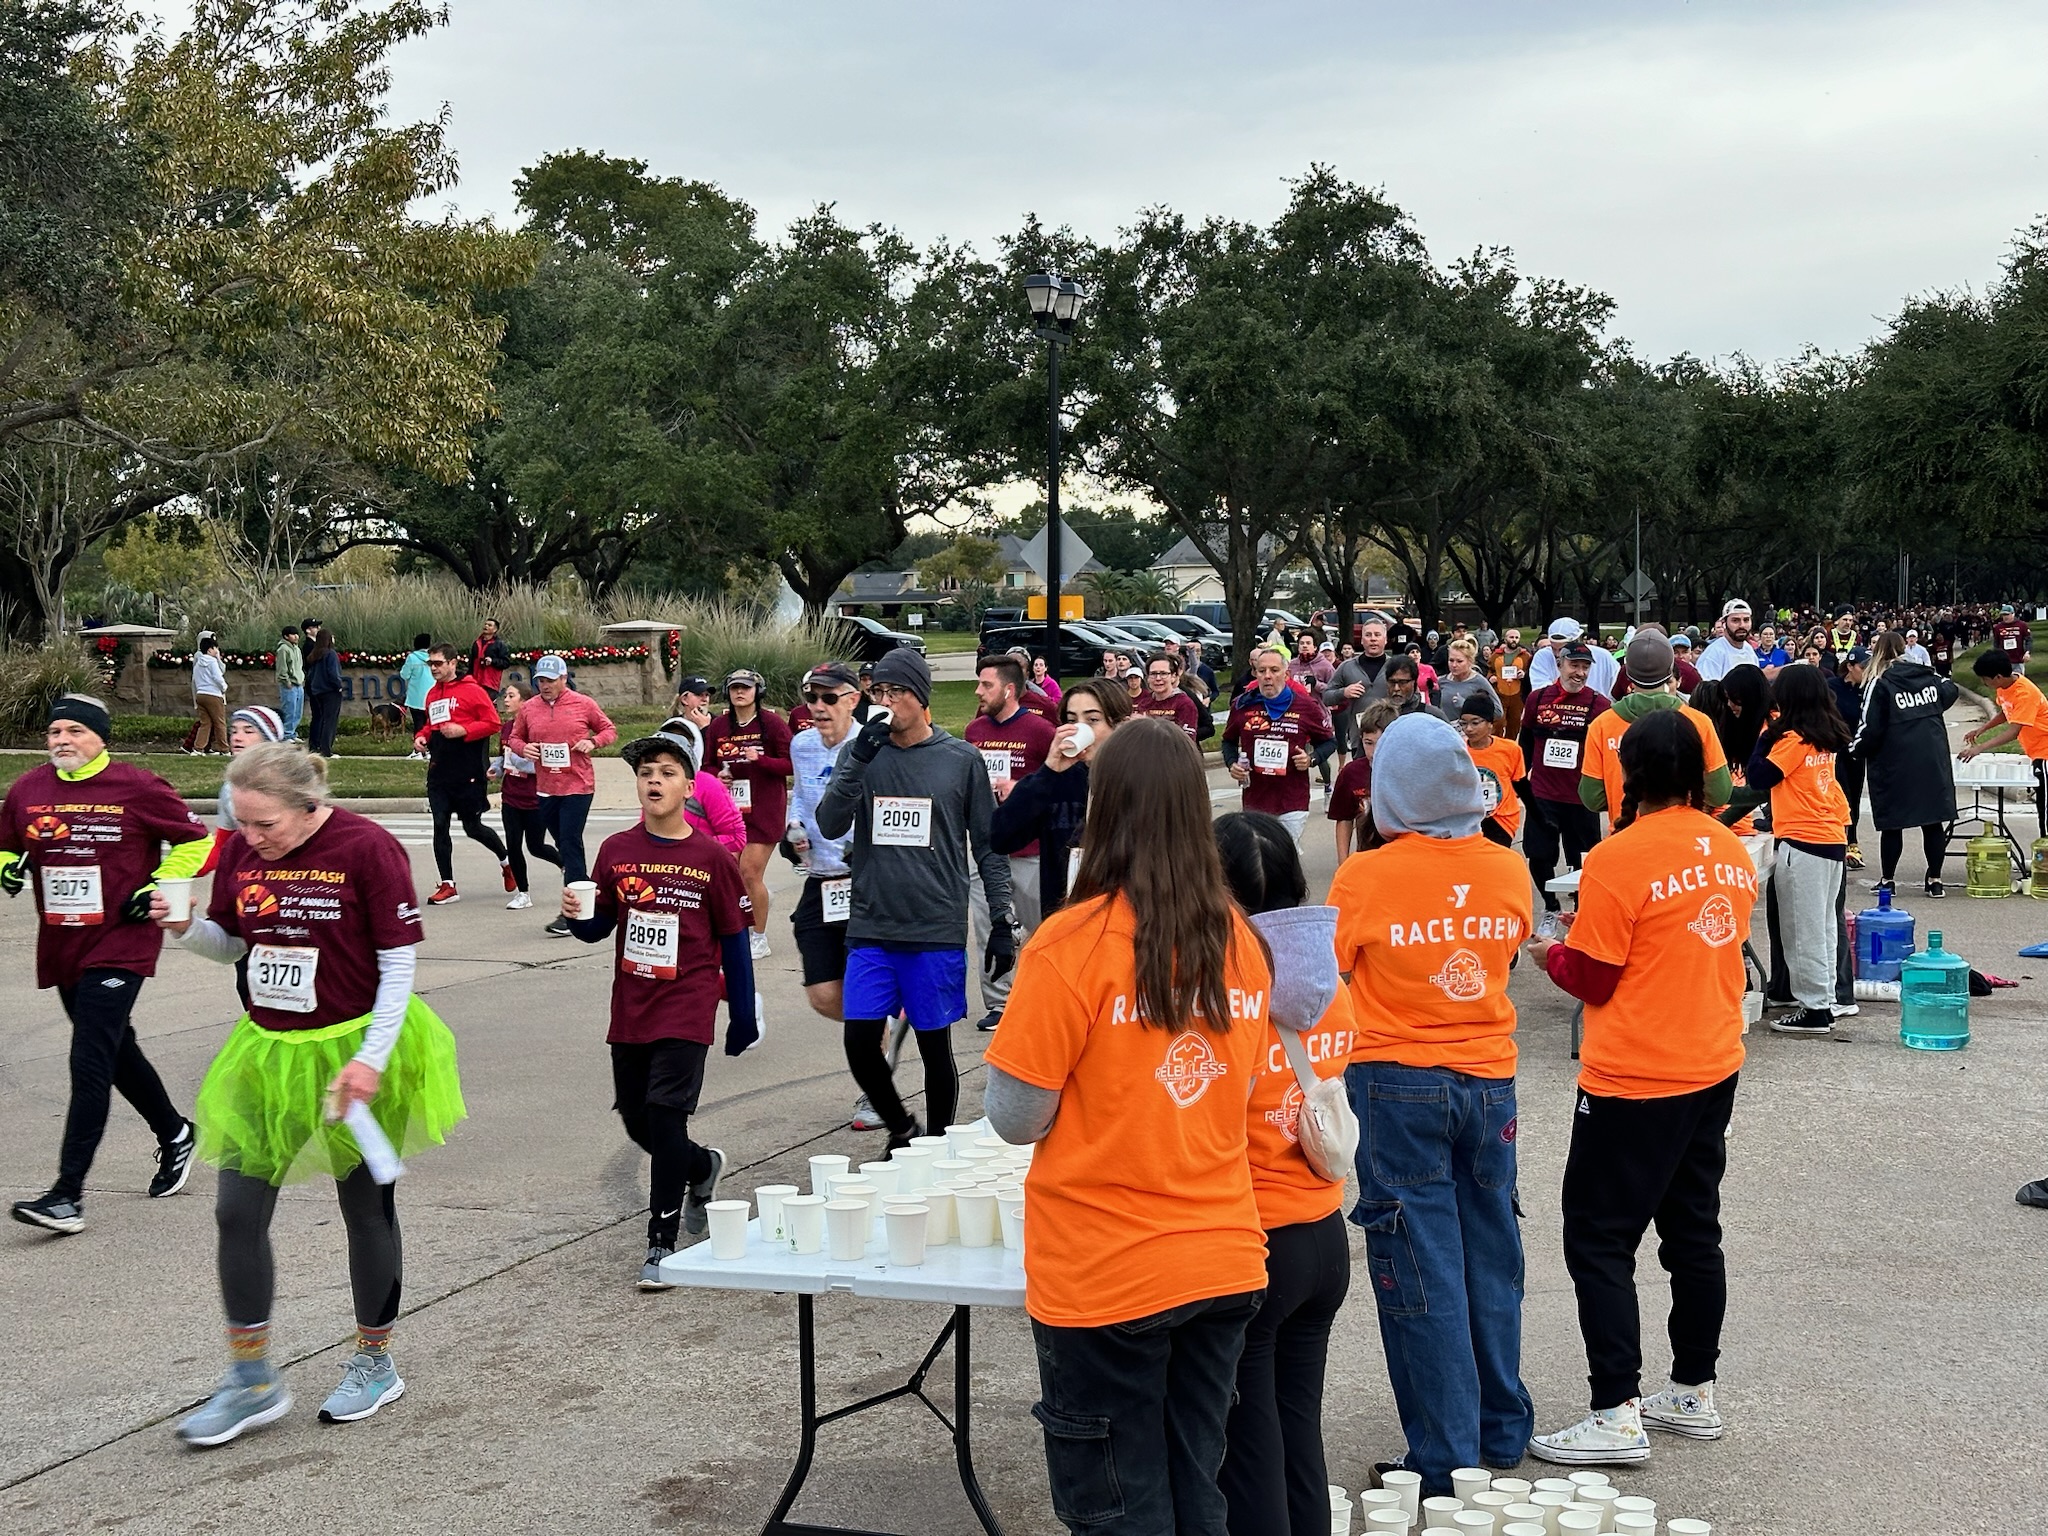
<point x="1589" y="980"/>
<point x="394" y="994"/>
<point x="183" y="861"/>
<point x="1020" y="1112"/>
<point x="206" y="937"/>
<point x="593" y="929"/>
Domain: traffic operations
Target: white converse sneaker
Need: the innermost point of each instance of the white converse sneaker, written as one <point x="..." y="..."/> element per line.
<point x="520" y="901"/>
<point x="1604" y="1437"/>
<point x="1683" y="1410"/>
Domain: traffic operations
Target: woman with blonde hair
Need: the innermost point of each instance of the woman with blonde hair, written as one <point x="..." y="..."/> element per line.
<point x="1902" y="740"/>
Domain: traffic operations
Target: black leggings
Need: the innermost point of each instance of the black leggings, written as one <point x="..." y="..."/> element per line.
<point x="248" y="1274"/>
<point x="465" y="804"/>
<point x="524" y="834"/>
<point x="1891" y="842"/>
<point x="655" y="1088"/>
<point x="1274" y="1476"/>
<point x="105" y="1059"/>
<point x="871" y="1070"/>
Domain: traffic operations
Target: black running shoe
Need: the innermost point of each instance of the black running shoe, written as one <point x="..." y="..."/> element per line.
<point x="1808" y="1021"/>
<point x="903" y="1138"/>
<point x="2034" y="1194"/>
<point x="696" y="1221"/>
<point x="53" y="1213"/>
<point x="990" y="1020"/>
<point x="1936" y="890"/>
<point x="173" y="1164"/>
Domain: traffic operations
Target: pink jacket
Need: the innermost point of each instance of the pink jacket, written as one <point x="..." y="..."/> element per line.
<point x="568" y="720"/>
<point x="721" y="821"/>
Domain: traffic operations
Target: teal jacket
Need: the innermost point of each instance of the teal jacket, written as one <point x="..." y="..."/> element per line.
<point x="417" y="677"/>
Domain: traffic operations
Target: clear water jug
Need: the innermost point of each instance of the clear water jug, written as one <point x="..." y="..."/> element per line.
<point x="1884" y="937"/>
<point x="1934" y="999"/>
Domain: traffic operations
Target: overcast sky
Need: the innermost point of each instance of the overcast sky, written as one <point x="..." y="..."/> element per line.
<point x="1750" y="177"/>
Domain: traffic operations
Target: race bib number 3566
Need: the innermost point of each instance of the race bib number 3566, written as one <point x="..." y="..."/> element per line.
<point x="902" y="821"/>
<point x="1269" y="754"/>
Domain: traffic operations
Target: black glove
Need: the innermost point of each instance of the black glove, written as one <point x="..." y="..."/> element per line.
<point x="870" y="740"/>
<point x="1001" y="954"/>
<point x="14" y="875"/>
<point x="136" y="908"/>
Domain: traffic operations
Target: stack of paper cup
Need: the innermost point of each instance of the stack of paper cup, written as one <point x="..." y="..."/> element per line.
<point x="904" y="1226"/>
<point x="846" y="1229"/>
<point x="728" y="1220"/>
<point x="769" y="1198"/>
<point x="803" y="1218"/>
<point x="823" y="1166"/>
<point x="1409" y="1486"/>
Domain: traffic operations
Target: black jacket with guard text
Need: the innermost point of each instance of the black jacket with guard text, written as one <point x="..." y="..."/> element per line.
<point x="1905" y="741"/>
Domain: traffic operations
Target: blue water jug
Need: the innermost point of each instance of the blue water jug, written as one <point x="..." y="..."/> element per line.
<point x="1884" y="937"/>
<point x="1934" y="999"/>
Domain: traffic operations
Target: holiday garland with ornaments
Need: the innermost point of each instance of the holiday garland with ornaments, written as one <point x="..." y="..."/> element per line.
<point x="263" y="661"/>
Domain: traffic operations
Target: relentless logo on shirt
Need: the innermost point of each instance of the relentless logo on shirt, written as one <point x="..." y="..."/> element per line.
<point x="1190" y="1066"/>
<point x="48" y="829"/>
<point x="1716" y="923"/>
<point x="1288" y="1116"/>
<point x="1463" y="977"/>
<point x="255" y="900"/>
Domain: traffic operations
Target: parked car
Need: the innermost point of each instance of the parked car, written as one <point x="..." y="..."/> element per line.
<point x="1215" y="647"/>
<point x="864" y="640"/>
<point x="1215" y="615"/>
<point x="1081" y="645"/>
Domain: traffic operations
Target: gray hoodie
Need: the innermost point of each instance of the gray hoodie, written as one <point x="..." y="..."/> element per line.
<point x="915" y="897"/>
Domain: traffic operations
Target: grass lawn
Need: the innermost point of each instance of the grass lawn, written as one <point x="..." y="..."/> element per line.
<point x="353" y="778"/>
<point x="946" y="642"/>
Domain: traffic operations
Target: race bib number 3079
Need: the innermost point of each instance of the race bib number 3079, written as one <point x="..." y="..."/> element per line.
<point x="71" y="895"/>
<point x="902" y="821"/>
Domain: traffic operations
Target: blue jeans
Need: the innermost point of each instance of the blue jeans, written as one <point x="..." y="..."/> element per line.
<point x="564" y="816"/>
<point x="1436" y="1196"/>
<point x="291" y="705"/>
<point x="1134" y="1417"/>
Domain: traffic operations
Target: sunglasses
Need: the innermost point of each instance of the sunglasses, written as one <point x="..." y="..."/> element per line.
<point x="816" y="696"/>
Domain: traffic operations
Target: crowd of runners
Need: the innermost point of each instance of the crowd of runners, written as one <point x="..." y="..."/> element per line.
<point x="1163" y="999"/>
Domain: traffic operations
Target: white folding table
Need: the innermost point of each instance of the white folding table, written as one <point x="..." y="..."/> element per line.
<point x="1993" y="773"/>
<point x="964" y="1278"/>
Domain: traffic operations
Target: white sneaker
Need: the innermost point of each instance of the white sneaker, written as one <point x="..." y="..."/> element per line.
<point x="519" y="903"/>
<point x="1844" y="1010"/>
<point x="758" y="941"/>
<point x="1604" y="1437"/>
<point x="1683" y="1410"/>
<point x="865" y="1118"/>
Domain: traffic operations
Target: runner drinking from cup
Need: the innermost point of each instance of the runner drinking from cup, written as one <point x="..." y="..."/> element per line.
<point x="321" y="902"/>
<point x="559" y="731"/>
<point x="1048" y="807"/>
<point x="1269" y="740"/>
<point x="89" y="835"/>
<point x="1012" y="743"/>
<point x="679" y="909"/>
<point x="1427" y="929"/>
<point x="1274" y="1474"/>
<point x="1664" y="908"/>
<point x="917" y="801"/>
<point x="461" y="720"/>
<point x="1135" y="1035"/>
<point x="750" y="746"/>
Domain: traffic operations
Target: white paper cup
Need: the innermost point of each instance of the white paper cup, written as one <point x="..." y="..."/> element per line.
<point x="1688" y="1528"/>
<point x="1466" y="1481"/>
<point x="950" y="1167"/>
<point x="975" y="1211"/>
<point x="1634" y="1504"/>
<point x="904" y="1225"/>
<point x="995" y="1144"/>
<point x="1380" y="1498"/>
<point x="728" y="1228"/>
<point x="1473" y="1522"/>
<point x="846" y="1229"/>
<point x="1635" y="1525"/>
<point x="886" y="1177"/>
<point x="913" y="1168"/>
<point x="938" y="1144"/>
<point x="1437" y="1512"/>
<point x="1553" y="1485"/>
<point x="938" y="1227"/>
<point x="1409" y="1486"/>
<point x="852" y="1186"/>
<point x="1387" y="1522"/>
<point x="959" y="1138"/>
<point x="803" y="1219"/>
<point x="1518" y="1486"/>
<point x="1493" y="1500"/>
<point x="1010" y="1215"/>
<point x="582" y="896"/>
<point x="178" y="897"/>
<point x="1522" y="1514"/>
<point x="1550" y="1501"/>
<point x="981" y="1157"/>
<point x="1579" y="1522"/>
<point x="823" y="1166"/>
<point x="768" y="1200"/>
<point x="1588" y="1479"/>
<point x="1525" y="1528"/>
<point x="1604" y="1495"/>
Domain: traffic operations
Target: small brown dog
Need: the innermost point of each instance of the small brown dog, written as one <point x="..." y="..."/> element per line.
<point x="386" y="720"/>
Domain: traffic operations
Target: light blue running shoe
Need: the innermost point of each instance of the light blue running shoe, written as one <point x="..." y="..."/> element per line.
<point x="368" y="1384"/>
<point x="250" y="1396"/>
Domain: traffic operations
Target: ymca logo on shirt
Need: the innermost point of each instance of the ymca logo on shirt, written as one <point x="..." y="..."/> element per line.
<point x="47" y="829"/>
<point x="1463" y="977"/>
<point x="1190" y="1065"/>
<point x="255" y="900"/>
<point x="633" y="891"/>
<point x="1716" y="923"/>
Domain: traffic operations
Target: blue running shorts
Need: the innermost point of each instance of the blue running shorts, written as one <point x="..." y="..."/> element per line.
<point x="927" y="986"/>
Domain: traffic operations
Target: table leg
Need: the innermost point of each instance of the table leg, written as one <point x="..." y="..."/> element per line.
<point x="963" y="1451"/>
<point x="807" y="1416"/>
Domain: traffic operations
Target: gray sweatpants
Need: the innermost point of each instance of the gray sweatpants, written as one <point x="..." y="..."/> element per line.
<point x="1808" y="888"/>
<point x="1024" y="896"/>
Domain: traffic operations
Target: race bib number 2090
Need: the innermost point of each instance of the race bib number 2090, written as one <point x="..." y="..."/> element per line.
<point x="902" y="821"/>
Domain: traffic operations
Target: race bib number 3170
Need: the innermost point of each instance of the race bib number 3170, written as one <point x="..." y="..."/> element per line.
<point x="281" y="977"/>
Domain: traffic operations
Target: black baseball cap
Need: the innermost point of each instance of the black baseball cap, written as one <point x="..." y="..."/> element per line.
<point x="836" y="673"/>
<point x="694" y="684"/>
<point x="1575" y="650"/>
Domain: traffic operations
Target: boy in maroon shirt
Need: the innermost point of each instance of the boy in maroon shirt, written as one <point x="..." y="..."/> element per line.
<point x="679" y="909"/>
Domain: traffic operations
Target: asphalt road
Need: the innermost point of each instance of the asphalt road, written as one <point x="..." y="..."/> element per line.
<point x="1881" y="1373"/>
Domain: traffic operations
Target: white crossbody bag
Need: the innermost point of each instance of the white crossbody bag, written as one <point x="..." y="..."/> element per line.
<point x="1327" y="1128"/>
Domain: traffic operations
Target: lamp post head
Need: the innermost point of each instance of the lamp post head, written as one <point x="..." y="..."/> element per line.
<point x="1042" y="290"/>
<point x="1055" y="304"/>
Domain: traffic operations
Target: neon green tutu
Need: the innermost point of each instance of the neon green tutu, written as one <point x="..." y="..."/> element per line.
<point x="262" y="1108"/>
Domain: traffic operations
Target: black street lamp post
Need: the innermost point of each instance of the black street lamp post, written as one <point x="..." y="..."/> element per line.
<point x="1055" y="307"/>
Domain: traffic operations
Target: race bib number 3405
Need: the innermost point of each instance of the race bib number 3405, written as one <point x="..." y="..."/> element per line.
<point x="902" y="821"/>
